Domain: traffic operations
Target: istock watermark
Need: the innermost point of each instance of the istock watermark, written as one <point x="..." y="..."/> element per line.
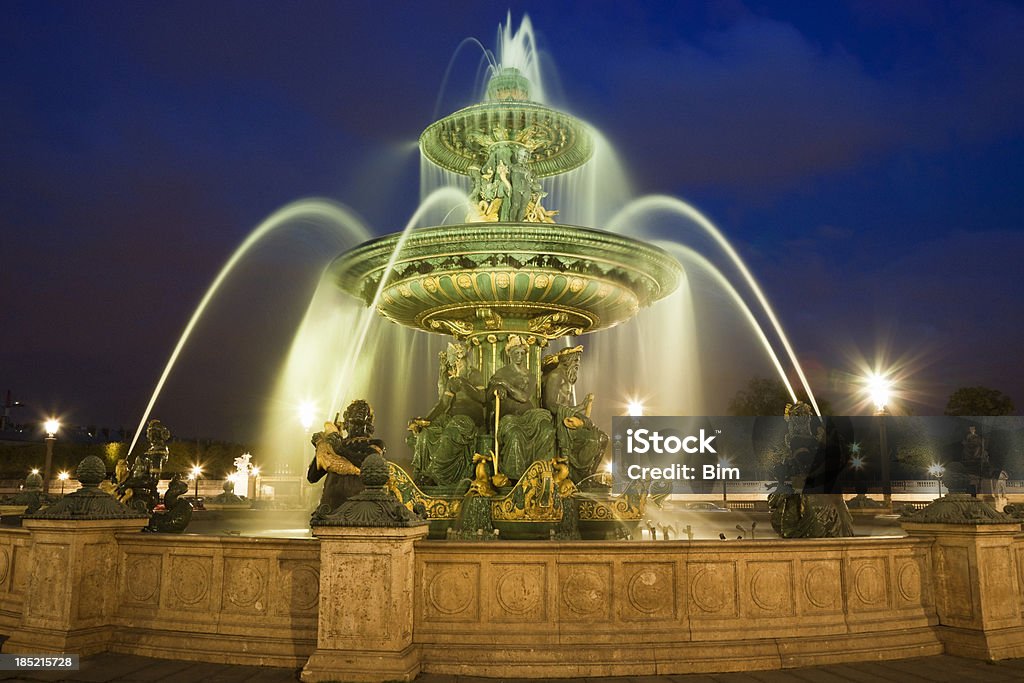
<point x="805" y="453"/>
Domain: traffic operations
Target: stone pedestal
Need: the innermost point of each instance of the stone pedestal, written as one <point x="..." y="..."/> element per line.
<point x="72" y="580"/>
<point x="365" y="623"/>
<point x="977" y="584"/>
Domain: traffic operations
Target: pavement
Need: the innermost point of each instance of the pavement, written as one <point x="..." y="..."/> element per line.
<point x="938" y="669"/>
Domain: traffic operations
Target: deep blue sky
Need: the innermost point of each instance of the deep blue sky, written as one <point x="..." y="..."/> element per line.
<point x="865" y="158"/>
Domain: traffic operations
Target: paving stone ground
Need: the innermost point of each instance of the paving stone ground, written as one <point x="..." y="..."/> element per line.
<point x="938" y="669"/>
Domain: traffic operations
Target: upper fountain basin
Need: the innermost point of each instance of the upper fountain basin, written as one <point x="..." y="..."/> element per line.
<point x="480" y="278"/>
<point x="556" y="142"/>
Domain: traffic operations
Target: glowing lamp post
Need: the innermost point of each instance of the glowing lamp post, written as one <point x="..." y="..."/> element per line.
<point x="52" y="426"/>
<point x="635" y="409"/>
<point x="63" y="476"/>
<point x="196" y="471"/>
<point x="937" y="470"/>
<point x="722" y="465"/>
<point x="879" y="390"/>
<point x="856" y="462"/>
<point x="256" y="481"/>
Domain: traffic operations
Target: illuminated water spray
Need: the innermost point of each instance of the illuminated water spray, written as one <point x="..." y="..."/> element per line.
<point x="331" y="214"/>
<point x="629" y="216"/>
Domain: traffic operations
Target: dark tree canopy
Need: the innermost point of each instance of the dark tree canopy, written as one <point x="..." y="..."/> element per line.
<point x="979" y="401"/>
<point x="762" y="396"/>
<point x="767" y="396"/>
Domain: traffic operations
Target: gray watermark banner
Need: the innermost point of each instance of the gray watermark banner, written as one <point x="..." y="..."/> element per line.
<point x="811" y="454"/>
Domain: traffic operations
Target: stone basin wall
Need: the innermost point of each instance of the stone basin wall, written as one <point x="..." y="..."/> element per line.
<point x="207" y="598"/>
<point x="379" y="604"/>
<point x="626" y="608"/>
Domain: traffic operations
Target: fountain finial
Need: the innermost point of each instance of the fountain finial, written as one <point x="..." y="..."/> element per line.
<point x="508" y="84"/>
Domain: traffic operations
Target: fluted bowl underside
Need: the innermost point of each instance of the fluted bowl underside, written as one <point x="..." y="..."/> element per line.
<point x="550" y="280"/>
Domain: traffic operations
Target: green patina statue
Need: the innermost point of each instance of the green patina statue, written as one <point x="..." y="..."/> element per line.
<point x="445" y="441"/>
<point x="525" y="432"/>
<point x="577" y="438"/>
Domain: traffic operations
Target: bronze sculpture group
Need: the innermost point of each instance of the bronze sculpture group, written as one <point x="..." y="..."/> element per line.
<point x="517" y="418"/>
<point x="481" y="435"/>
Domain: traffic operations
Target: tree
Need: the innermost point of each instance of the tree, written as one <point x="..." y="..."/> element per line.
<point x="765" y="396"/>
<point x="979" y="401"/>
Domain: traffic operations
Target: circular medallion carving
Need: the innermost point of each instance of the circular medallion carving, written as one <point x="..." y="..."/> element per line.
<point x="648" y="590"/>
<point x="869" y="584"/>
<point x="430" y="284"/>
<point x="404" y="290"/>
<point x="708" y="590"/>
<point x="502" y="280"/>
<point x="518" y="591"/>
<point x="820" y="587"/>
<point x="542" y="281"/>
<point x="451" y="591"/>
<point x="142" y="578"/>
<point x="464" y="280"/>
<point x="768" y="588"/>
<point x="5" y="564"/>
<point x="190" y="581"/>
<point x="583" y="592"/>
<point x="909" y="581"/>
<point x="576" y="285"/>
<point x="245" y="586"/>
<point x="305" y="588"/>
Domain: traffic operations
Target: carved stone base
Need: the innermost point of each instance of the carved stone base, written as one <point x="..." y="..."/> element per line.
<point x="358" y="665"/>
<point x="68" y="602"/>
<point x="988" y="645"/>
<point x="365" y="622"/>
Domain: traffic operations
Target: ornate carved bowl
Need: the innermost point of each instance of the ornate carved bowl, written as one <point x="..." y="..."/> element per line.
<point x="557" y="142"/>
<point x="548" y="280"/>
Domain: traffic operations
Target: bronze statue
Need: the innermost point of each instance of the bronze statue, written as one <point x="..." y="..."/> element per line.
<point x="525" y="432"/>
<point x="444" y="441"/>
<point x="137" y="484"/>
<point x="176" y="513"/>
<point x="804" y="503"/>
<point x="578" y="439"/>
<point x="340" y="451"/>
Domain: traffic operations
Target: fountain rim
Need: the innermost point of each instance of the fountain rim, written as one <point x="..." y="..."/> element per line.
<point x="419" y="238"/>
<point x="611" y="276"/>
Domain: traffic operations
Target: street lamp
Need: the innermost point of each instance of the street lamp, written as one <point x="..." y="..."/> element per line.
<point x="52" y="426"/>
<point x="722" y="464"/>
<point x="858" y="462"/>
<point x="63" y="476"/>
<point x="196" y="471"/>
<point x="879" y="388"/>
<point x="937" y="470"/>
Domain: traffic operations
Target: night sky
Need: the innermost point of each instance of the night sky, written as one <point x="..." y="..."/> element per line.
<point x="865" y="158"/>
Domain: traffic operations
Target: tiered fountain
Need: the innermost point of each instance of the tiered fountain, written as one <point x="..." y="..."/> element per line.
<point x="506" y="284"/>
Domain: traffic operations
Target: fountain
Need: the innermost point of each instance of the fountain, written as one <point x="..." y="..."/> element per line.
<point x="507" y="451"/>
<point x="506" y="284"/>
